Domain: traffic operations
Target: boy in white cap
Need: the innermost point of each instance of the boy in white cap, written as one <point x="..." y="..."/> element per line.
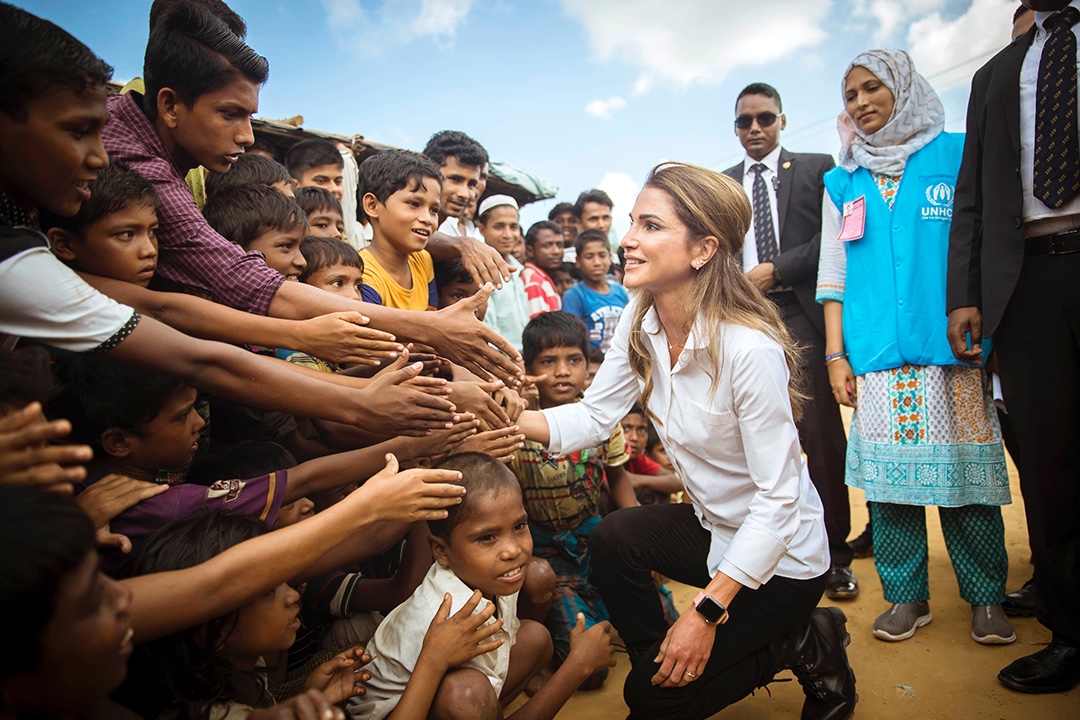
<point x="508" y="310"/>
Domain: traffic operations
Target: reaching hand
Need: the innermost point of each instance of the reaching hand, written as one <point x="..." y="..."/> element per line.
<point x="410" y="495"/>
<point x="397" y="409"/>
<point x="341" y="337"/>
<point x="110" y="496"/>
<point x="443" y="442"/>
<point x="469" y="342"/>
<point x="511" y="402"/>
<point x="338" y="679"/>
<point x="26" y="458"/>
<point x="500" y="443"/>
<point x="483" y="262"/>
<point x="311" y="705"/>
<point x="962" y="321"/>
<point x="591" y="649"/>
<point x="476" y="397"/>
<point x="452" y="641"/>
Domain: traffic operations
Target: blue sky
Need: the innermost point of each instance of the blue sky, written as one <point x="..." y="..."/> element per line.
<point x="582" y="93"/>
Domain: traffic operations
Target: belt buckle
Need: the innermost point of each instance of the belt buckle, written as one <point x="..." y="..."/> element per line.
<point x="1058" y="246"/>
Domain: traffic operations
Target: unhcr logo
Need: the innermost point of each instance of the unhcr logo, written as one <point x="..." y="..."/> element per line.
<point x="940" y="197"/>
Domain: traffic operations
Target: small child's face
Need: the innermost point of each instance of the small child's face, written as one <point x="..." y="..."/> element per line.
<point x="563" y="280"/>
<point x="489" y="550"/>
<point x="328" y="177"/>
<point x="122" y="246"/>
<point x="518" y="251"/>
<point x="594" y="262"/>
<point x="636" y="432"/>
<point x="452" y="292"/>
<point x="170" y="440"/>
<point x="502" y="229"/>
<point x="565" y="368"/>
<point x="282" y="251"/>
<point x="343" y="280"/>
<point x="265" y="625"/>
<point x="326" y="222"/>
<point x="594" y="367"/>
<point x="294" y="512"/>
<point x="659" y="456"/>
<point x="461" y="185"/>
<point x="547" y="251"/>
<point x="570" y="226"/>
<point x="408" y="218"/>
<point x="42" y="162"/>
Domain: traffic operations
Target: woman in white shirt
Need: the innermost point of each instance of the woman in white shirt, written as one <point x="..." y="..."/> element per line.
<point x="710" y="357"/>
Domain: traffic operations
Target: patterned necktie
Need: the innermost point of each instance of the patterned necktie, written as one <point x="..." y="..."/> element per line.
<point x="1056" y="176"/>
<point x="764" y="234"/>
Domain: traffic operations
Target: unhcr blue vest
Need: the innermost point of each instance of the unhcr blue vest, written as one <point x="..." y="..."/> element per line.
<point x="894" y="296"/>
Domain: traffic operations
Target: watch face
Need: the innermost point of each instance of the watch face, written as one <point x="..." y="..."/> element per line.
<point x="711" y="610"/>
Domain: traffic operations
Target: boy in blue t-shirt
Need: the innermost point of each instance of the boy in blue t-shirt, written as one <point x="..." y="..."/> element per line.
<point x="596" y="301"/>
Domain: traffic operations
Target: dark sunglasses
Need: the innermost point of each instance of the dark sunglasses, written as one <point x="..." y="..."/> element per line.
<point x="765" y="119"/>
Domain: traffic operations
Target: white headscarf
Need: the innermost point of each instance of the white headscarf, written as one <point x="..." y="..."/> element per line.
<point x="917" y="117"/>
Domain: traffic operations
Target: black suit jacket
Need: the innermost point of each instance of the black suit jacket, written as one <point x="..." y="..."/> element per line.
<point x="798" y="211"/>
<point x="986" y="240"/>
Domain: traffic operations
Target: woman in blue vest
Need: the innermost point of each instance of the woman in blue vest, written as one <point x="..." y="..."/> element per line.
<point x="925" y="431"/>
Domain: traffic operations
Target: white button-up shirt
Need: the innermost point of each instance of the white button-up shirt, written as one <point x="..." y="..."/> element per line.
<point x="736" y="450"/>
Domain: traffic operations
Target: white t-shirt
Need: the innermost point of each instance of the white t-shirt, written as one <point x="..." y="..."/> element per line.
<point x="44" y="300"/>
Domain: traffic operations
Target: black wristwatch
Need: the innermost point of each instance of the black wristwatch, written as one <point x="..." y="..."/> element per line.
<point x="712" y="611"/>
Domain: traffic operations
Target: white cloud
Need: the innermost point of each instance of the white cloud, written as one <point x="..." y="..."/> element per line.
<point x="950" y="51"/>
<point x="604" y="109"/>
<point x="696" y="42"/>
<point x="393" y="23"/>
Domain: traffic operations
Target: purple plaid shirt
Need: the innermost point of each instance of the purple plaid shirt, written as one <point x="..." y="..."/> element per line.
<point x="192" y="254"/>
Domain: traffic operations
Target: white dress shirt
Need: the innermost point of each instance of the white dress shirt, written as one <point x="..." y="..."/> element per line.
<point x="736" y="450"/>
<point x="1034" y="209"/>
<point x="771" y="163"/>
<point x="397" y="643"/>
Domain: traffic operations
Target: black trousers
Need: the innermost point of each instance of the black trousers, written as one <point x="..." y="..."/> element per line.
<point x="630" y="543"/>
<point x="821" y="431"/>
<point x="1038" y="347"/>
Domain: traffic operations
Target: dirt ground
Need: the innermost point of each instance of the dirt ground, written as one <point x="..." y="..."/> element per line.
<point x="939" y="673"/>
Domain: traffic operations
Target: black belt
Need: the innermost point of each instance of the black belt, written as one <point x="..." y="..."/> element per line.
<point x="1062" y="243"/>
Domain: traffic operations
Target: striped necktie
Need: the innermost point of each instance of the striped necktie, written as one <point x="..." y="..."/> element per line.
<point x="764" y="233"/>
<point x="1056" y="176"/>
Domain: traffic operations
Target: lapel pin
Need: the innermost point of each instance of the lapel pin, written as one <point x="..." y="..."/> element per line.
<point x="786" y="165"/>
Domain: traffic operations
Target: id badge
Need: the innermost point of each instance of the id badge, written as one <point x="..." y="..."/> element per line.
<point x="854" y="219"/>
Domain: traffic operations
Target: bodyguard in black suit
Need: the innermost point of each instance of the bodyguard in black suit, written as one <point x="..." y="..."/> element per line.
<point x="781" y="257"/>
<point x="1014" y="274"/>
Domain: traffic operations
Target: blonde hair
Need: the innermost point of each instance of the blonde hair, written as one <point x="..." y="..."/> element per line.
<point x="709" y="203"/>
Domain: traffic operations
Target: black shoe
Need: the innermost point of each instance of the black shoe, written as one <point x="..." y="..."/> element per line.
<point x="1055" y="668"/>
<point x="841" y="583"/>
<point x="815" y="653"/>
<point x="863" y="546"/>
<point x="1022" y="602"/>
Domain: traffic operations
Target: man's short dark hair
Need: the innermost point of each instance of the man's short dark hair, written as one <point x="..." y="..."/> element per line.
<point x="456" y="144"/>
<point x="555" y="329"/>
<point x="760" y="88"/>
<point x="35" y="55"/>
<point x="312" y="199"/>
<point x="480" y="475"/>
<point x="248" y="168"/>
<point x="385" y="173"/>
<point x="116" y="188"/>
<point x="535" y="228"/>
<point x="100" y="393"/>
<point x="451" y="271"/>
<point x="591" y="196"/>
<point x="217" y="7"/>
<point x="194" y="52"/>
<point x="595" y="355"/>
<point x="312" y="153"/>
<point x="588" y="236"/>
<point x="242" y="213"/>
<point x="563" y="207"/>
<point x="322" y="252"/>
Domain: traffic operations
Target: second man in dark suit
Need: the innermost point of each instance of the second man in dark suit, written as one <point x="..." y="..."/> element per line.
<point x="780" y="256"/>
